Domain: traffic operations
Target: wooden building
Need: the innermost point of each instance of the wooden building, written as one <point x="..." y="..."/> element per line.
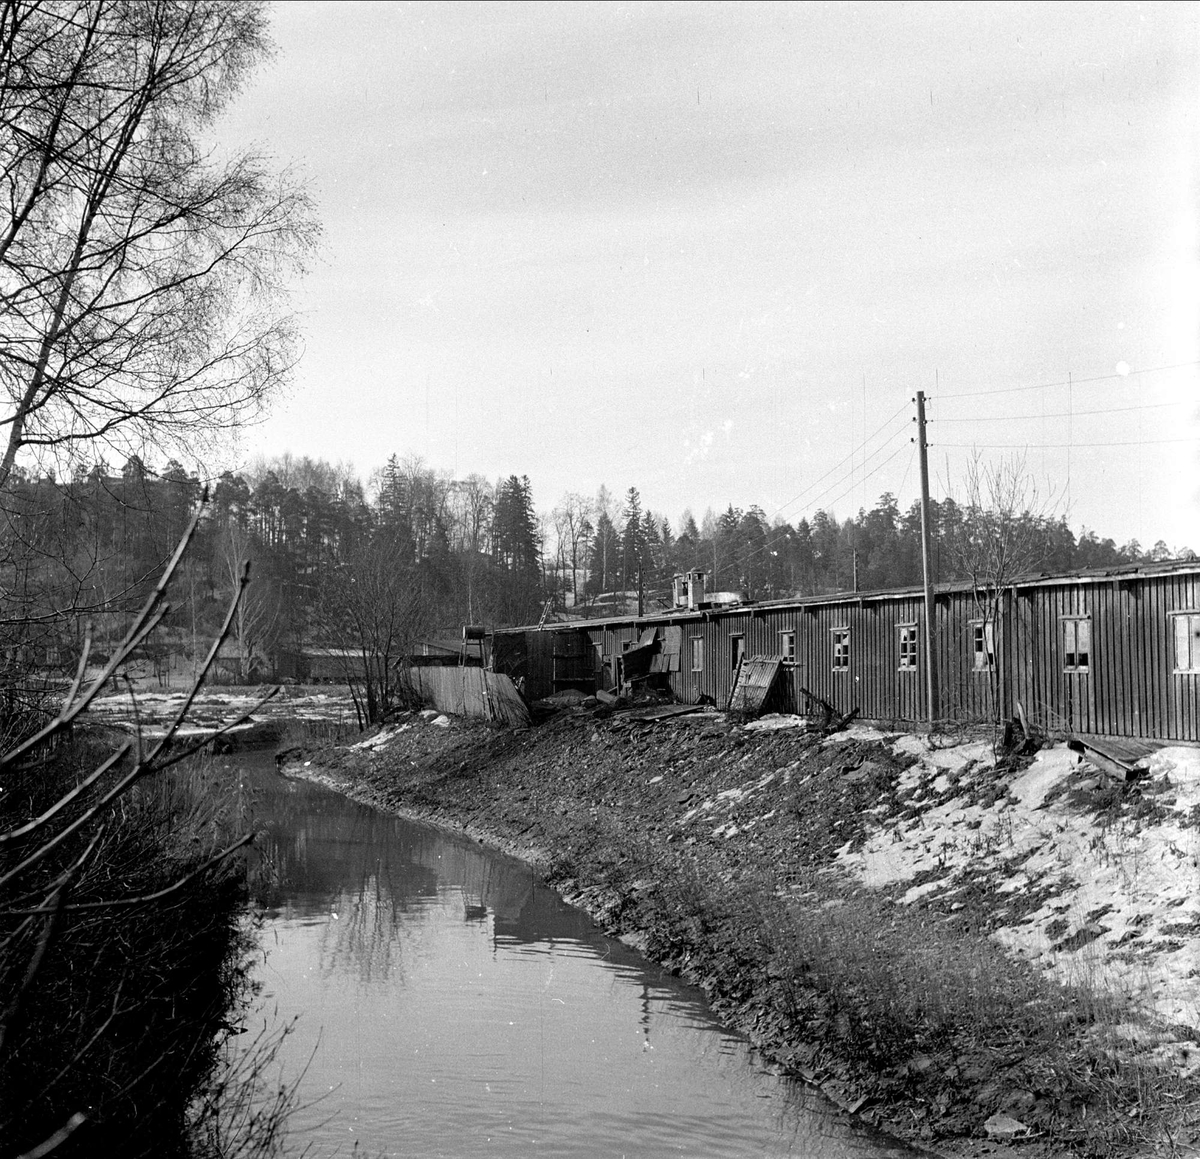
<point x="1113" y="652"/>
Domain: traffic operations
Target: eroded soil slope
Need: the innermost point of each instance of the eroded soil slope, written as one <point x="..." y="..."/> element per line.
<point x="846" y="901"/>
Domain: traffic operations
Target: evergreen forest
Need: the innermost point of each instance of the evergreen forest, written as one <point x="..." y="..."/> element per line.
<point x="413" y="553"/>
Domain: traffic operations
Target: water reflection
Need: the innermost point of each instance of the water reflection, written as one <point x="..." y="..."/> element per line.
<point x="457" y="1008"/>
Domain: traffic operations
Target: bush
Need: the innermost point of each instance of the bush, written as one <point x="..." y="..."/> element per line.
<point x="120" y="997"/>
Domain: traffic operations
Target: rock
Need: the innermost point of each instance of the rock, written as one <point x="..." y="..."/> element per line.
<point x="919" y="1064"/>
<point x="1005" y="1127"/>
<point x="442" y="721"/>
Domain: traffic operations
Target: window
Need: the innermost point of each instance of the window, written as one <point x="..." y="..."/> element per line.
<point x="1187" y="642"/>
<point x="697" y="653"/>
<point x="787" y="647"/>
<point x="737" y="651"/>
<point x="984" y="634"/>
<point x="908" y="647"/>
<point x="841" y="649"/>
<point x="1077" y="645"/>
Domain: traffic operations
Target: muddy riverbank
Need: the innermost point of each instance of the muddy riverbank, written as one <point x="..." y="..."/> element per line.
<point x="908" y="927"/>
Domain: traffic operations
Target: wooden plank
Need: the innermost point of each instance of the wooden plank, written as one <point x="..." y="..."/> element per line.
<point x="650" y="715"/>
<point x="1130" y="751"/>
<point x="754" y="680"/>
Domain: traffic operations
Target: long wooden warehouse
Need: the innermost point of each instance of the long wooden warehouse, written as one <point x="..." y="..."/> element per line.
<point x="1110" y="653"/>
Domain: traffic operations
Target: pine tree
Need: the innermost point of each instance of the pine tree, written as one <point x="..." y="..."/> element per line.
<point x="633" y="540"/>
<point x="652" y="562"/>
<point x="514" y="528"/>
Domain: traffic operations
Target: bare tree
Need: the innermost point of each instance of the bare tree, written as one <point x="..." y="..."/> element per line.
<point x="61" y="834"/>
<point x="372" y="606"/>
<point x="573" y="523"/>
<point x="1002" y="534"/>
<point x="471" y="508"/>
<point x="141" y="279"/>
<point x="254" y="618"/>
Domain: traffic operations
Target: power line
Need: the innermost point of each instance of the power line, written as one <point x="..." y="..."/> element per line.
<point x="1062" y="414"/>
<point x="907" y="469"/>
<point x="768" y="543"/>
<point x="874" y="471"/>
<point x="848" y="459"/>
<point x="1060" y="446"/>
<point x="1066" y="381"/>
<point x="820" y="495"/>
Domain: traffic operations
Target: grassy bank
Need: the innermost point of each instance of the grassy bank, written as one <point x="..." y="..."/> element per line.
<point x="724" y="854"/>
<point x="122" y="958"/>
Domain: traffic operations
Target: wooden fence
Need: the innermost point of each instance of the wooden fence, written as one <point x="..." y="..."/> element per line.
<point x="469" y="691"/>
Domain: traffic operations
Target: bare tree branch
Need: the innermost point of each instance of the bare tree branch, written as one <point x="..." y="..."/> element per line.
<point x="142" y="280"/>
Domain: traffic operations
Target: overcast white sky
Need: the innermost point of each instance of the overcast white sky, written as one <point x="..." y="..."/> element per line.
<point x="709" y="249"/>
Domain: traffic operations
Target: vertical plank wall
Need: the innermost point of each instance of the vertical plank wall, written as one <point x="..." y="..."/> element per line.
<point x="1130" y="687"/>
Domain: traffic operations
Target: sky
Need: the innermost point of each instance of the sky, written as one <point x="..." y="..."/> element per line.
<point x="713" y="250"/>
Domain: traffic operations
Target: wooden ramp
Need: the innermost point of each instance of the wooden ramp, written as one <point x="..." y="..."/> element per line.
<point x="752" y="685"/>
<point x="1122" y="757"/>
<point x="468" y="691"/>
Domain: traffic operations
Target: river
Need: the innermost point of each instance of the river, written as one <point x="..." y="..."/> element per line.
<point x="447" y="1004"/>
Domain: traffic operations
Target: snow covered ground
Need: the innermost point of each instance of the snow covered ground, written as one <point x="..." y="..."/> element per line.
<point x="213" y="709"/>
<point x="1104" y="882"/>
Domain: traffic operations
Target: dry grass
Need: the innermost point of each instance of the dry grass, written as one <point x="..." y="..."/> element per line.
<point x="892" y="1001"/>
<point x="125" y="1007"/>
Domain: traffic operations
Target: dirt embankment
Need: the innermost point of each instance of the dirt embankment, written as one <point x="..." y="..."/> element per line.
<point x="909" y="927"/>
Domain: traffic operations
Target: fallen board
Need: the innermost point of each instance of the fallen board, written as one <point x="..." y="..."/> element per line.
<point x="649" y="715"/>
<point x="1122" y="757"/>
<point x="753" y="684"/>
<point x="1123" y="750"/>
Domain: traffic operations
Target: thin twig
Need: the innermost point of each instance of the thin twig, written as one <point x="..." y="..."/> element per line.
<point x="53" y="1142"/>
<point x="199" y="678"/>
<point x="57" y="898"/>
<point x="144" y="623"/>
<point x="66" y="798"/>
<point x="144" y="899"/>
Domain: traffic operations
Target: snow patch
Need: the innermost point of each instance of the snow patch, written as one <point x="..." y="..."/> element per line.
<point x="1110" y="903"/>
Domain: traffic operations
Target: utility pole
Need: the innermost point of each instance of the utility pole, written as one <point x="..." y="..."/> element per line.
<point x="930" y="672"/>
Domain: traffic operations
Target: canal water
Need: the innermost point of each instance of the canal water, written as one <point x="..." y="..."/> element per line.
<point x="447" y="1004"/>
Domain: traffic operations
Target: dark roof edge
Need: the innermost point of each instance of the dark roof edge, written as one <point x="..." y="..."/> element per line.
<point x="1130" y="571"/>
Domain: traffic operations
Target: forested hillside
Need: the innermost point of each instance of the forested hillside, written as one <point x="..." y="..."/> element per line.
<point x="413" y="552"/>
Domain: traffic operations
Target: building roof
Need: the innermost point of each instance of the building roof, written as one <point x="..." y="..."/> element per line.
<point x="1122" y="573"/>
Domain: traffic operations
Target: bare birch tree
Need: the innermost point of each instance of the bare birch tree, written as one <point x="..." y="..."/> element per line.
<point x="573" y="523"/>
<point x="141" y="278"/>
<point x="254" y="618"/>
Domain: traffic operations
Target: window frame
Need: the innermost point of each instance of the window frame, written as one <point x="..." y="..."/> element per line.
<point x="840" y="638"/>
<point x="909" y="647"/>
<point x="696" y="653"/>
<point x="787" y="646"/>
<point x="737" y="649"/>
<point x="1071" y="649"/>
<point x="983" y="659"/>
<point x="1190" y="619"/>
